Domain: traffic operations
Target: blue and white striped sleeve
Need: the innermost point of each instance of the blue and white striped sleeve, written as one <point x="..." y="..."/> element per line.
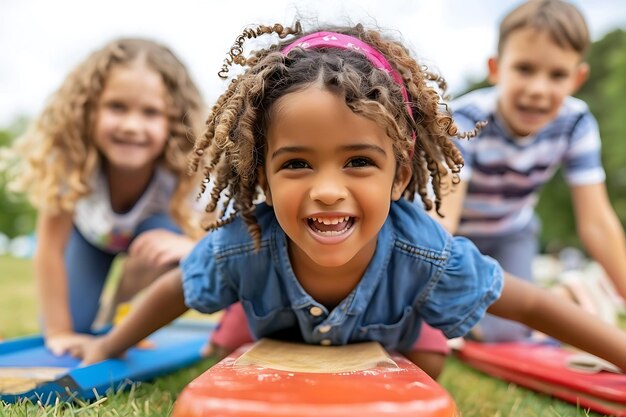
<point x="582" y="160"/>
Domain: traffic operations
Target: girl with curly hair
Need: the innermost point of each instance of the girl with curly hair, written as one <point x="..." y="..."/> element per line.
<point x="102" y="164"/>
<point x="337" y="130"/>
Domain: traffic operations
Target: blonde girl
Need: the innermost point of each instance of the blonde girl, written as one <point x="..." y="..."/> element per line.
<point x="103" y="164"/>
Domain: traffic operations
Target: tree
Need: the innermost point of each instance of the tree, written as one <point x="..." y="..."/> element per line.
<point x="17" y="217"/>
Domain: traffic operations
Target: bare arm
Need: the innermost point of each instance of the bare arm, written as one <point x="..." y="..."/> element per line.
<point x="451" y="207"/>
<point x="160" y="247"/>
<point x="601" y="232"/>
<point x="50" y="272"/>
<point x="537" y="308"/>
<point x="162" y="303"/>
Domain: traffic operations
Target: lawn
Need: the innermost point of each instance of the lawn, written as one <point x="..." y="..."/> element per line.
<point x="475" y="394"/>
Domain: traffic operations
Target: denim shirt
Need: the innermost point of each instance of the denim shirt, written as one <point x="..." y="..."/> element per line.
<point x="418" y="272"/>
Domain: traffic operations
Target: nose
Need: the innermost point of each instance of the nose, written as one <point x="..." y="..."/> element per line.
<point x="537" y="85"/>
<point x="328" y="188"/>
<point x="131" y="122"/>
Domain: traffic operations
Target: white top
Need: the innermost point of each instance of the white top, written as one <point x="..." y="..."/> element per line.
<point x="110" y="231"/>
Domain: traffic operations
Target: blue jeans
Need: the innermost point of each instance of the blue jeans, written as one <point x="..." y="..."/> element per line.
<point x="515" y="253"/>
<point x="88" y="267"/>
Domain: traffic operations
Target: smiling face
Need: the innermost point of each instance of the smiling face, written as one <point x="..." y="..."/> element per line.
<point x="534" y="75"/>
<point x="330" y="176"/>
<point x="131" y="126"/>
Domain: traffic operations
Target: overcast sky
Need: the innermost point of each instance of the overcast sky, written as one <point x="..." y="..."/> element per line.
<point x="41" y="40"/>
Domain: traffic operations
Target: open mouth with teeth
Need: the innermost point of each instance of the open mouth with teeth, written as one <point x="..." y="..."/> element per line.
<point x="129" y="143"/>
<point x="531" y="110"/>
<point x="330" y="226"/>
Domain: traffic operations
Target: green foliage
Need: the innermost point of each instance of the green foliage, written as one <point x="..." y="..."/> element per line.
<point x="17" y="217"/>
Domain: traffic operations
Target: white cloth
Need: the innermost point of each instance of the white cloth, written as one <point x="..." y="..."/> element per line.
<point x="110" y="231"/>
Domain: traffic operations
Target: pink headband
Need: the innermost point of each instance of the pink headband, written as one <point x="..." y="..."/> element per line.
<point x="340" y="41"/>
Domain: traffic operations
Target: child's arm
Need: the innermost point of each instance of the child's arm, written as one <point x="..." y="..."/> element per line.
<point x="162" y="303"/>
<point x="451" y="206"/>
<point x="51" y="277"/>
<point x="601" y="232"/>
<point x="537" y="308"/>
<point x="160" y="247"/>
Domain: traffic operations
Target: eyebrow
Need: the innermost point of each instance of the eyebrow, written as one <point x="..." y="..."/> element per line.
<point x="349" y="148"/>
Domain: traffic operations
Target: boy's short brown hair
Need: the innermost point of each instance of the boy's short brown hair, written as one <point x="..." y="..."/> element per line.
<point x="562" y="20"/>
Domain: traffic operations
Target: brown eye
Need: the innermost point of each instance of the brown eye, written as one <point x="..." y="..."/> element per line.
<point x="558" y="75"/>
<point x="524" y="69"/>
<point x="360" y="162"/>
<point x="295" y="164"/>
<point x="116" y="106"/>
<point x="152" y="112"/>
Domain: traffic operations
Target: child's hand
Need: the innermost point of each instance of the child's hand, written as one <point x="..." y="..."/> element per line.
<point x="160" y="247"/>
<point x="94" y="351"/>
<point x="67" y="342"/>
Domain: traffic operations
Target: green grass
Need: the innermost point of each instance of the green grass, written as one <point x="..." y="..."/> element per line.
<point x="18" y="307"/>
<point x="476" y="395"/>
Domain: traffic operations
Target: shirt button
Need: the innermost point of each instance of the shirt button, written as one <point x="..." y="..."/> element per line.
<point x="324" y="329"/>
<point x="325" y="342"/>
<point x="316" y="311"/>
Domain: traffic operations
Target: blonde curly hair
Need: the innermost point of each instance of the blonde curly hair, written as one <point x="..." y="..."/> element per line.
<point x="232" y="146"/>
<point x="58" y="155"/>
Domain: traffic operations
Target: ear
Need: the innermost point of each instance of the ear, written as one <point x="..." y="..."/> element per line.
<point x="260" y="172"/>
<point x="492" y="67"/>
<point x="403" y="177"/>
<point x="582" y="73"/>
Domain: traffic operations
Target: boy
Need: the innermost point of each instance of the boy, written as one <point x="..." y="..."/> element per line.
<point x="534" y="126"/>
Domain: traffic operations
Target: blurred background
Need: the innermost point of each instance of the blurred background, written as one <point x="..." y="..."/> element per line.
<point x="41" y="41"/>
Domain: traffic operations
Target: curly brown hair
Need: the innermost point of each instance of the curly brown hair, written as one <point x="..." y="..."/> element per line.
<point x="58" y="154"/>
<point x="233" y="144"/>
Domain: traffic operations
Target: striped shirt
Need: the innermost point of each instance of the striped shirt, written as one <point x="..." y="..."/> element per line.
<point x="505" y="173"/>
